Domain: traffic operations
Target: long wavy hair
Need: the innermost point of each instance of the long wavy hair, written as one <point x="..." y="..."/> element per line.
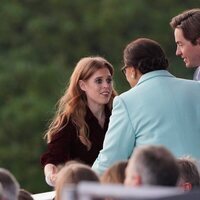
<point x="72" y="105"/>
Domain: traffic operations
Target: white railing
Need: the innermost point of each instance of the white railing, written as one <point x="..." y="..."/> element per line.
<point x="44" y="196"/>
<point x="90" y="191"/>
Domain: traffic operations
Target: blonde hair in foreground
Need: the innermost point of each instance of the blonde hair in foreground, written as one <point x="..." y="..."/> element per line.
<point x="115" y="174"/>
<point x="72" y="174"/>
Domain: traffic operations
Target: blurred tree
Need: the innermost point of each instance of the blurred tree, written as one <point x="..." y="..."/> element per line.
<point x="40" y="43"/>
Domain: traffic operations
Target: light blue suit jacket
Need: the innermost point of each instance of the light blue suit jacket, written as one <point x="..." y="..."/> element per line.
<point x="160" y="110"/>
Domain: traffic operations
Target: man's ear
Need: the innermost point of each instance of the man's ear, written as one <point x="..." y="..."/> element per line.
<point x="82" y="85"/>
<point x="186" y="186"/>
<point x="137" y="180"/>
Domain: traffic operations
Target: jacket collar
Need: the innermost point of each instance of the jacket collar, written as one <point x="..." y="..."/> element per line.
<point x="154" y="74"/>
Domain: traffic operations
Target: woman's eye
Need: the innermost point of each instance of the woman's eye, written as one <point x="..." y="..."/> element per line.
<point x="98" y="81"/>
<point x="109" y="80"/>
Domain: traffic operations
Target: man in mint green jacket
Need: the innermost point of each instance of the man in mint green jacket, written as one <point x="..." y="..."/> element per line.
<point x="159" y="109"/>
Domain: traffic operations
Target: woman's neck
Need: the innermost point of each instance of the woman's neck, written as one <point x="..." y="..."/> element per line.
<point x="99" y="112"/>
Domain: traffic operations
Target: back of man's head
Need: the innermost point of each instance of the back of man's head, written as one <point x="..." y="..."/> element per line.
<point x="189" y="175"/>
<point x="152" y="165"/>
<point x="9" y="184"/>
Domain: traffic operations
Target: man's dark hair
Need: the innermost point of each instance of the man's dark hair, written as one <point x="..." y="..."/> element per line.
<point x="189" y="22"/>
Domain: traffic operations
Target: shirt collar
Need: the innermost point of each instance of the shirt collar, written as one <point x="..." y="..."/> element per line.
<point x="153" y="74"/>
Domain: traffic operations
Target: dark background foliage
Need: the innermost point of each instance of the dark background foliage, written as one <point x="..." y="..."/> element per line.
<point x="40" y="43"/>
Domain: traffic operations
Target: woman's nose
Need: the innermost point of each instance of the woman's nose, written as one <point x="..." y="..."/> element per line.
<point x="106" y="84"/>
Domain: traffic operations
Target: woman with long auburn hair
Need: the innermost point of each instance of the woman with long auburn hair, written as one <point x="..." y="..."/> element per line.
<point x="81" y="121"/>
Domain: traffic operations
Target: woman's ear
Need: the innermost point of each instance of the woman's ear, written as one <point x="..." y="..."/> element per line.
<point x="82" y="85"/>
<point x="133" y="73"/>
<point x="137" y="73"/>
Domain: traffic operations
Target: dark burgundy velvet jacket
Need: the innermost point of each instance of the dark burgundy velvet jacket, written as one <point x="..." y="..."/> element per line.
<point x="66" y="146"/>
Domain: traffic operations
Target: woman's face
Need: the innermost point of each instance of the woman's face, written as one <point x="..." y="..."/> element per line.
<point x="98" y="88"/>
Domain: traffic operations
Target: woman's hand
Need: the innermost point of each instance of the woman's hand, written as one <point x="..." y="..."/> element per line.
<point x="50" y="172"/>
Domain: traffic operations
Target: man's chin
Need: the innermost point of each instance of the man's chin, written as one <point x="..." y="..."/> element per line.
<point x="188" y="65"/>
